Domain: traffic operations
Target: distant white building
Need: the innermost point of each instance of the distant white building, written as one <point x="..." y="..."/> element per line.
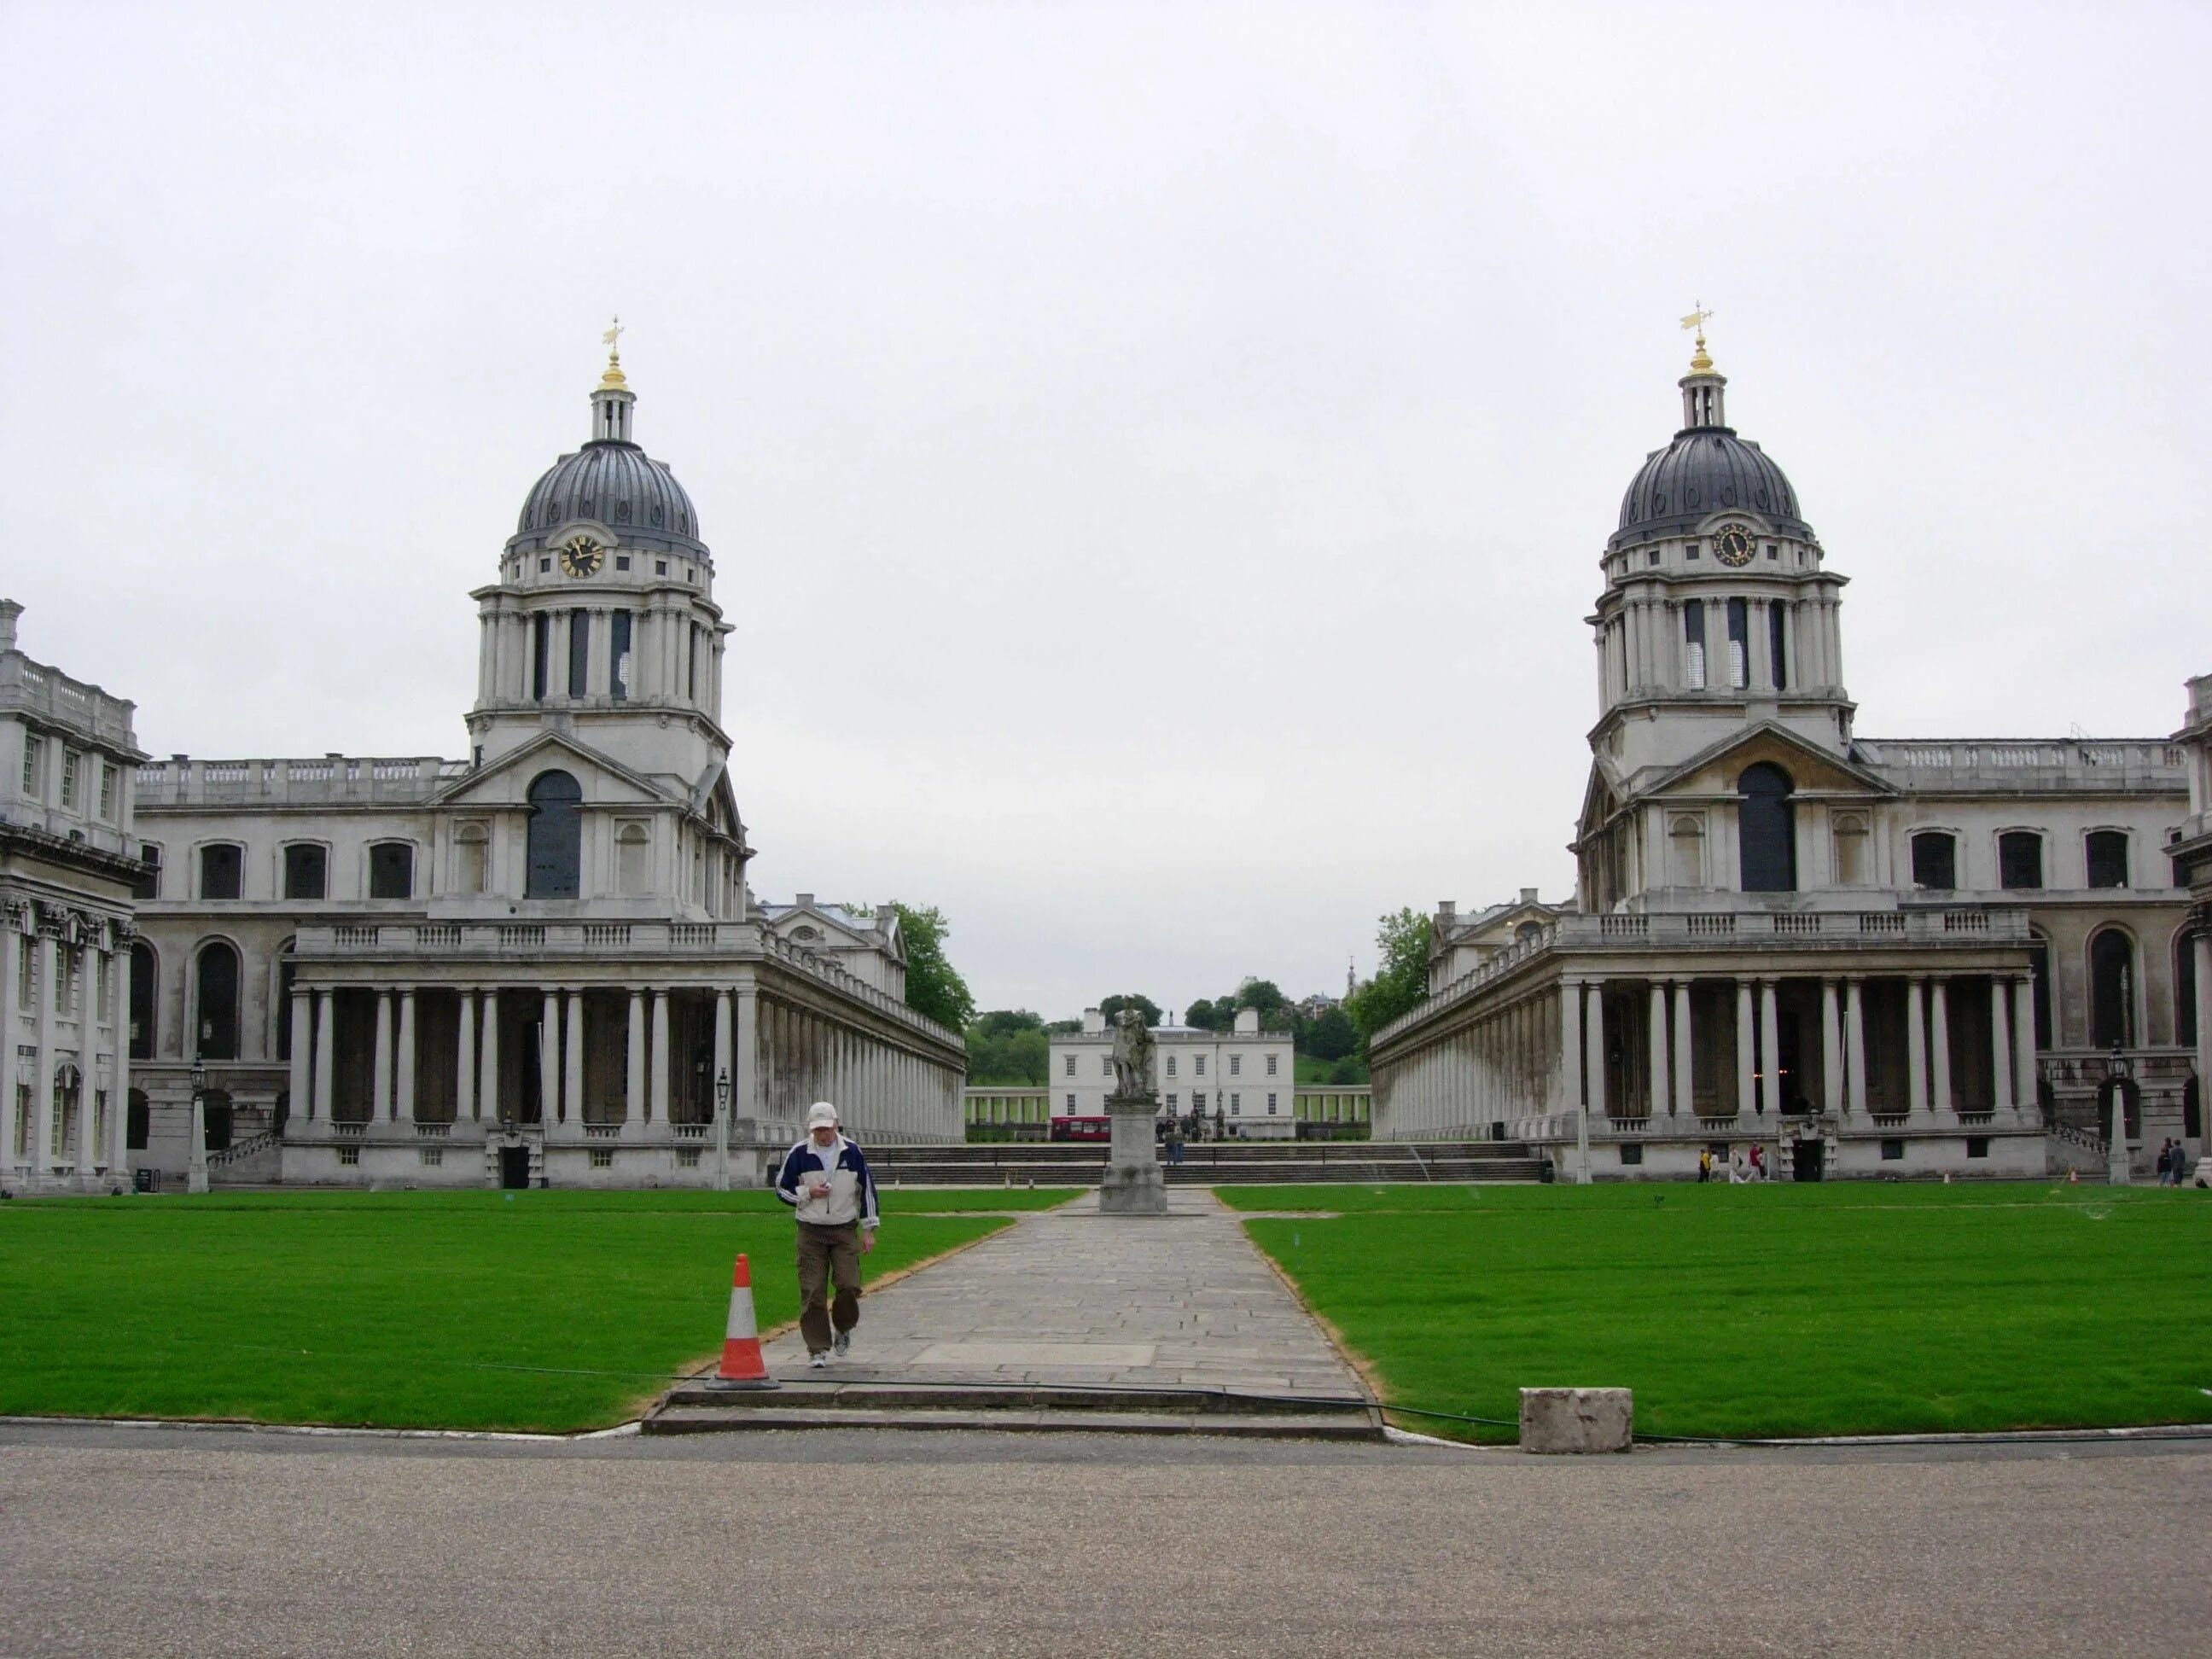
<point x="1245" y="1082"/>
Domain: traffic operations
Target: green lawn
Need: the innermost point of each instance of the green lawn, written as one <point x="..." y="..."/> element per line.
<point x="1767" y="1310"/>
<point x="550" y="1310"/>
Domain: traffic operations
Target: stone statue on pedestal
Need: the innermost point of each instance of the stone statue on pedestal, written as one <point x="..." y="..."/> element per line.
<point x="1134" y="1184"/>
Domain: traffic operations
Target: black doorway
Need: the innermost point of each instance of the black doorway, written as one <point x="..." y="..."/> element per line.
<point x="1811" y="1156"/>
<point x="514" y="1168"/>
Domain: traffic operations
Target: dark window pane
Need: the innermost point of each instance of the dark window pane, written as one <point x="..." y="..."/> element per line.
<point x="150" y="884"/>
<point x="1766" y="830"/>
<point x="618" y="665"/>
<point x="1777" y="639"/>
<point x="143" y="1001"/>
<point x="2184" y="992"/>
<point x="2038" y="965"/>
<point x="137" y="1121"/>
<point x="392" y="871"/>
<point x="579" y="652"/>
<point x="2108" y="858"/>
<point x="222" y="869"/>
<point x="2019" y="858"/>
<point x="306" y="871"/>
<point x="557" y="837"/>
<point x="2111" y="990"/>
<point x="1934" y="860"/>
<point x="218" y="1003"/>
<point x="540" y="645"/>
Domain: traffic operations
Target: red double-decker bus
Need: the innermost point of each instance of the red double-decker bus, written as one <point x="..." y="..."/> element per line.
<point x="1083" y="1128"/>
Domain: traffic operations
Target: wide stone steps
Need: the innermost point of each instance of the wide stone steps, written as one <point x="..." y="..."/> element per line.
<point x="1208" y="1163"/>
<point x="696" y="1408"/>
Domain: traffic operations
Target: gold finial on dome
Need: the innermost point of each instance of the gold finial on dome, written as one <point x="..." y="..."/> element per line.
<point x="612" y="338"/>
<point x="1699" y="363"/>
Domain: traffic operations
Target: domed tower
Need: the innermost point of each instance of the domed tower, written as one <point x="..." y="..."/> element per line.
<point x="602" y="624"/>
<point x="1719" y="612"/>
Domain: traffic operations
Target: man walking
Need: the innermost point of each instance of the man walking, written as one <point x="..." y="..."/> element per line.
<point x="827" y="1184"/>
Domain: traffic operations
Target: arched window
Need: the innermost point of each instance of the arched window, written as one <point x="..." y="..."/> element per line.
<point x="222" y="870"/>
<point x="392" y="870"/>
<point x="306" y="871"/>
<point x="1935" y="859"/>
<point x="557" y="837"/>
<point x="1527" y="931"/>
<point x="633" y="860"/>
<point x="2184" y="989"/>
<point x="1766" y="830"/>
<point x="137" y="1120"/>
<point x="471" y="858"/>
<point x="217" y="978"/>
<point x="2111" y="990"/>
<point x="2106" y="851"/>
<point x="144" y="979"/>
<point x="2039" y="968"/>
<point x="2019" y="858"/>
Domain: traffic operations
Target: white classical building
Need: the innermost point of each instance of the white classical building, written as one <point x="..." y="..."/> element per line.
<point x="66" y="869"/>
<point x="537" y="964"/>
<point x="1878" y="957"/>
<point x="1244" y="1082"/>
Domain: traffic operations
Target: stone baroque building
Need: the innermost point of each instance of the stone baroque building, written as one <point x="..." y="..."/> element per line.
<point x="541" y="963"/>
<point x="1876" y="957"/>
<point x="66" y="871"/>
<point x="2190" y="849"/>
<point x="1245" y="1080"/>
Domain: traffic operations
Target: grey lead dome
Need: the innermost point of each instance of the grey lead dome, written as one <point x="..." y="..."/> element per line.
<point x="622" y="487"/>
<point x="1706" y="470"/>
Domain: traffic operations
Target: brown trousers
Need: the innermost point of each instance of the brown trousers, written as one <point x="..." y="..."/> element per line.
<point x="825" y="1253"/>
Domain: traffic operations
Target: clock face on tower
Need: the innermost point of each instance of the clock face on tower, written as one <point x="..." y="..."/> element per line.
<point x="1733" y="549"/>
<point x="581" y="557"/>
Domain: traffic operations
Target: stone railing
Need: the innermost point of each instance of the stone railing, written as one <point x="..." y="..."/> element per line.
<point x="2066" y="764"/>
<point x="32" y="688"/>
<point x="1778" y="930"/>
<point x="182" y="782"/>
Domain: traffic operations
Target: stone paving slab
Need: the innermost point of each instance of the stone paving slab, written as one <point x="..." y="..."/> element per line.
<point x="1071" y="1297"/>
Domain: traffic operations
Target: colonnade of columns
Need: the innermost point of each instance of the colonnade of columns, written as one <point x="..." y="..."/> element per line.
<point x="673" y="654"/>
<point x="46" y="1123"/>
<point x="1495" y="1067"/>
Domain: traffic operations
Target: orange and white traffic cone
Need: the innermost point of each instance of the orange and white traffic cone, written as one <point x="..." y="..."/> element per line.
<point x="742" y="1366"/>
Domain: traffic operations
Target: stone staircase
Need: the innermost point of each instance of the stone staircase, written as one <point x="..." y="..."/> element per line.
<point x="254" y="1161"/>
<point x="1208" y="1163"/>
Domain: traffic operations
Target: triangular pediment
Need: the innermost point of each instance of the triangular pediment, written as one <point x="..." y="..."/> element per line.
<point x="1812" y="770"/>
<point x="505" y="782"/>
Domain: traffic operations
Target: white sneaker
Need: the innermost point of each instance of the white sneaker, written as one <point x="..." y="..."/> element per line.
<point x="820" y="1362"/>
<point x="842" y="1343"/>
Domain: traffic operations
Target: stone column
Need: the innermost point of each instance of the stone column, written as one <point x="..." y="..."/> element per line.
<point x="1939" y="1043"/>
<point x="2000" y="1046"/>
<point x="1655" y="1081"/>
<point x="1831" y="1050"/>
<point x="1747" y="1050"/>
<point x="45" y="957"/>
<point x="722" y="1043"/>
<point x="119" y="1098"/>
<point x="1594" y="1047"/>
<point x="548" y="1062"/>
<point x="1855" y="1047"/>
<point x="326" y="1024"/>
<point x="1685" y="1103"/>
<point x="572" y="1092"/>
<point x="1759" y="666"/>
<point x="2203" y="948"/>
<point x="744" y="1068"/>
<point x="635" y="1107"/>
<point x="1770" y="1042"/>
<point x="465" y="1065"/>
<point x="487" y="1059"/>
<point x="658" y="1107"/>
<point x="1916" y="1048"/>
<point x="2025" y="1094"/>
<point x="381" y="1075"/>
<point x="11" y="967"/>
<point x="303" y="1048"/>
<point x="1570" y="1045"/>
<point x="403" y="1100"/>
<point x="722" y="1090"/>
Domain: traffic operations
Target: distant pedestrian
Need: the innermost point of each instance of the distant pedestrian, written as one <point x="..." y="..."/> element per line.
<point x="1706" y="1163"/>
<point x="1175" y="1140"/>
<point x="1736" y="1177"/>
<point x="1758" y="1162"/>
<point x="826" y="1182"/>
<point x="2165" y="1163"/>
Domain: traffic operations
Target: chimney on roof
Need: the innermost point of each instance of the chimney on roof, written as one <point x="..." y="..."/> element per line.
<point x="9" y="611"/>
<point x="805" y="901"/>
<point x="1528" y="895"/>
<point x="1447" y="907"/>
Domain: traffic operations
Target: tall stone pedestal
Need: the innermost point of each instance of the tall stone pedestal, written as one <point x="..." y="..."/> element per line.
<point x="1134" y="1184"/>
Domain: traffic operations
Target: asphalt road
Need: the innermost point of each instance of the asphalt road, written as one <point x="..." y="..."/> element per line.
<point x="124" y="1541"/>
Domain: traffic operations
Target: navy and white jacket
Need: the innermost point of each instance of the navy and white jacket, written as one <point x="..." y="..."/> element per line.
<point x="852" y="1189"/>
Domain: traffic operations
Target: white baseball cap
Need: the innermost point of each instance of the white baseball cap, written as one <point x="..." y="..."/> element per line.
<point x="821" y="1115"/>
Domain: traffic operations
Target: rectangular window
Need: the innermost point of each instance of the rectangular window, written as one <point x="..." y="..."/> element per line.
<point x="348" y="1155"/>
<point x="1271" y="1105"/>
<point x="392" y="870"/>
<point x="103" y="1005"/>
<point x="1631" y="1152"/>
<point x="1071" y="1069"/>
<point x="1271" y="1065"/>
<point x="1106" y="1065"/>
<point x="2108" y="857"/>
<point x="27" y="976"/>
<point x="1777" y="639"/>
<point x="579" y="652"/>
<point x="687" y="1157"/>
<point x="541" y="648"/>
<point x="1936" y="860"/>
<point x="1171" y="1064"/>
<point x="432" y="1156"/>
<point x="1236" y="1066"/>
<point x="1198" y="1061"/>
<point x="1071" y="1105"/>
<point x="1171" y="1102"/>
<point x="150" y="884"/>
<point x="1236" y="1104"/>
<point x="34" y="760"/>
<point x="1892" y="1150"/>
<point x="618" y="657"/>
<point x="1978" y="1146"/>
<point x="692" y="672"/>
<point x="1693" y="549"/>
<point x="1739" y="632"/>
<point x="1694" y="642"/>
<point x="108" y="777"/>
<point x="306" y="871"/>
<point x="2019" y="858"/>
<point x="603" y="1158"/>
<point x="70" y="770"/>
<point x="222" y="872"/>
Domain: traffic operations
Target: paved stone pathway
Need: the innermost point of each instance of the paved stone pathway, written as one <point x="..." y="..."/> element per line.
<point x="1071" y="1297"/>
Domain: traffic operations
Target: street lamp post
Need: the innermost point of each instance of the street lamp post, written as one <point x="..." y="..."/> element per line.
<point x="722" y="1131"/>
<point x="2116" y="1170"/>
<point x="197" y="1179"/>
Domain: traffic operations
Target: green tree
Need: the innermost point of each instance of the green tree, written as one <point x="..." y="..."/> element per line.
<point x="1005" y="1060"/>
<point x="1144" y="1004"/>
<point x="1329" y="1036"/>
<point x="1401" y="975"/>
<point x="933" y="986"/>
<point x="1204" y="1014"/>
<point x="1005" y="1022"/>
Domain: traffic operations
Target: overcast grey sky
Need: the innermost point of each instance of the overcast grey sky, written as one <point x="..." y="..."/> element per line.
<point x="1156" y="458"/>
